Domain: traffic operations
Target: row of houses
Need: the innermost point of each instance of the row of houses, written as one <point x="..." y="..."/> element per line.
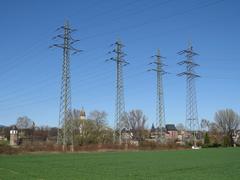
<point x="169" y="133"/>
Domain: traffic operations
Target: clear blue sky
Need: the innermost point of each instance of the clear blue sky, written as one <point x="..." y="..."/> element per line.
<point x="30" y="71"/>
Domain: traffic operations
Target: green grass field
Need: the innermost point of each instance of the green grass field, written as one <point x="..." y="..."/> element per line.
<point x="204" y="164"/>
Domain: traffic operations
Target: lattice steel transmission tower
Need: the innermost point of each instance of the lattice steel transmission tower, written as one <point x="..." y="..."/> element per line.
<point x="191" y="123"/>
<point x="160" y="110"/>
<point x="120" y="104"/>
<point x="65" y="129"/>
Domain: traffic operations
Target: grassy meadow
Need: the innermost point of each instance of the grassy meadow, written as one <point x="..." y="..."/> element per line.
<point x="213" y="164"/>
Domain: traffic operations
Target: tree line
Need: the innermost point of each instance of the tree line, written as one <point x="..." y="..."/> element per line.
<point x="224" y="130"/>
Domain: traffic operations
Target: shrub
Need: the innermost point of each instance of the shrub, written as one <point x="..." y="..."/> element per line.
<point x="226" y="141"/>
<point x="6" y="149"/>
<point x="206" y="139"/>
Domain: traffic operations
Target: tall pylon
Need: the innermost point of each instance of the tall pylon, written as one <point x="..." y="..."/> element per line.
<point x="191" y="123"/>
<point x="120" y="103"/>
<point x="65" y="129"/>
<point x="160" y="109"/>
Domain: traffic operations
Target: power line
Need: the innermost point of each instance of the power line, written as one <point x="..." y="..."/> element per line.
<point x="96" y="84"/>
<point x="75" y="91"/>
<point x="95" y="77"/>
<point x="133" y="11"/>
<point x="202" y="6"/>
<point x="21" y="91"/>
<point x="153" y="21"/>
<point x="209" y="4"/>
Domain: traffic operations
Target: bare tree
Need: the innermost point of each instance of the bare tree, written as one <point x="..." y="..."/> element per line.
<point x="26" y="127"/>
<point x="205" y="124"/>
<point x="25" y="122"/>
<point x="227" y="122"/>
<point x="135" y="120"/>
<point x="77" y="123"/>
<point x="100" y="118"/>
<point x="76" y="114"/>
<point x="180" y="127"/>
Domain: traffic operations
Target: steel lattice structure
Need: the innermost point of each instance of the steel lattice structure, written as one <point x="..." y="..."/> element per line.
<point x="120" y="103"/>
<point x="191" y="123"/>
<point x="65" y="130"/>
<point x="160" y="110"/>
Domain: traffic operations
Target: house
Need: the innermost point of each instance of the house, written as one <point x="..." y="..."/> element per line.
<point x="126" y="135"/>
<point x="128" y="138"/>
<point x="155" y="132"/>
<point x="171" y="132"/>
<point x="236" y="138"/>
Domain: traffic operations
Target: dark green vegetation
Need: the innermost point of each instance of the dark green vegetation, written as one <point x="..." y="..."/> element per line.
<point x="219" y="164"/>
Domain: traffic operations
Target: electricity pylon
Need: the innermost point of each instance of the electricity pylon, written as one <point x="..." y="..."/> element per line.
<point x="160" y="110"/>
<point x="192" y="123"/>
<point x="65" y="129"/>
<point x="120" y="104"/>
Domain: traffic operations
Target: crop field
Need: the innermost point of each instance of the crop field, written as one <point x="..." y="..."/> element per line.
<point x="202" y="164"/>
